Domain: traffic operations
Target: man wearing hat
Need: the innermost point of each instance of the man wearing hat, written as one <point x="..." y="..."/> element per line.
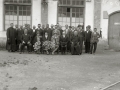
<point x="87" y="39"/>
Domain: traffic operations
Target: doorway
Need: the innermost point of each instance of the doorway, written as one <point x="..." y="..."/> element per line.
<point x="114" y="31"/>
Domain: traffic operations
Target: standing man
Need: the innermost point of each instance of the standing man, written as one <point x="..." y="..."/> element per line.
<point x="69" y="35"/>
<point x="87" y="39"/>
<point x="52" y="27"/>
<point x="56" y="31"/>
<point x="17" y="41"/>
<point x="81" y="35"/>
<point x="94" y="40"/>
<point x="66" y="29"/>
<point x="48" y="30"/>
<point x="43" y="30"/>
<point x="20" y="32"/>
<point x="30" y="31"/>
<point x="39" y="29"/>
<point x="11" y="38"/>
<point x="32" y="38"/>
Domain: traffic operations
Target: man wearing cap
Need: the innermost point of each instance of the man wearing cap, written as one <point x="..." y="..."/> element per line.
<point x="87" y="39"/>
<point x="75" y="47"/>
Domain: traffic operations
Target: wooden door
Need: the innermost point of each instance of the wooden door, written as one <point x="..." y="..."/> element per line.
<point x="114" y="31"/>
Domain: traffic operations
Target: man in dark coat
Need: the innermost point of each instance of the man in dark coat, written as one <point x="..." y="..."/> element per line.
<point x="25" y="41"/>
<point x="75" y="47"/>
<point x="87" y="39"/>
<point x="11" y="38"/>
<point x="63" y="42"/>
<point x="20" y="32"/>
<point x="52" y="27"/>
<point x="81" y="35"/>
<point x="43" y="30"/>
<point x="39" y="29"/>
<point x="69" y="35"/>
<point x="48" y="30"/>
<point x="17" y="41"/>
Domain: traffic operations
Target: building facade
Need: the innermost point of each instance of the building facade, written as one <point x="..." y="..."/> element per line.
<point x="100" y="14"/>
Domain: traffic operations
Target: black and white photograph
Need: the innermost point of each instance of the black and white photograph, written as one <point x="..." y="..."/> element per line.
<point x="59" y="44"/>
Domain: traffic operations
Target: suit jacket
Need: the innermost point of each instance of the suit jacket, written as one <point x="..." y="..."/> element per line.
<point x="20" y="32"/>
<point x="46" y="39"/>
<point x="49" y="31"/>
<point x="94" y="37"/>
<point x="70" y="34"/>
<point x="40" y="31"/>
<point x="75" y="39"/>
<point x="88" y="36"/>
<point x="56" y="31"/>
<point x="26" y="38"/>
<point x="63" y="39"/>
<point x="11" y="35"/>
<point x="81" y="34"/>
<point x="30" y="32"/>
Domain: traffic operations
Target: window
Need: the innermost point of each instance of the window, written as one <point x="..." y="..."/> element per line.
<point x="17" y="14"/>
<point x="71" y="12"/>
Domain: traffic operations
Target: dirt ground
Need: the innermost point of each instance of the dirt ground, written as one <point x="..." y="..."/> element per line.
<point x="59" y="72"/>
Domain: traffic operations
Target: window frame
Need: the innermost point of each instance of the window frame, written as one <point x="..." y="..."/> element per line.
<point x="72" y="6"/>
<point x="18" y="5"/>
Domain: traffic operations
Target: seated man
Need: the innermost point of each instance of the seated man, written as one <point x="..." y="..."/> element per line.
<point x="25" y="41"/>
<point x="55" y="42"/>
<point x="63" y="42"/>
<point x="75" y="47"/>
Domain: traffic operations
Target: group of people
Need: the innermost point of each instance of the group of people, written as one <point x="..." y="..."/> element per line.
<point x="50" y="40"/>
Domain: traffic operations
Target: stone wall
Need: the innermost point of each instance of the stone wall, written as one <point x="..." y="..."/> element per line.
<point x="97" y="14"/>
